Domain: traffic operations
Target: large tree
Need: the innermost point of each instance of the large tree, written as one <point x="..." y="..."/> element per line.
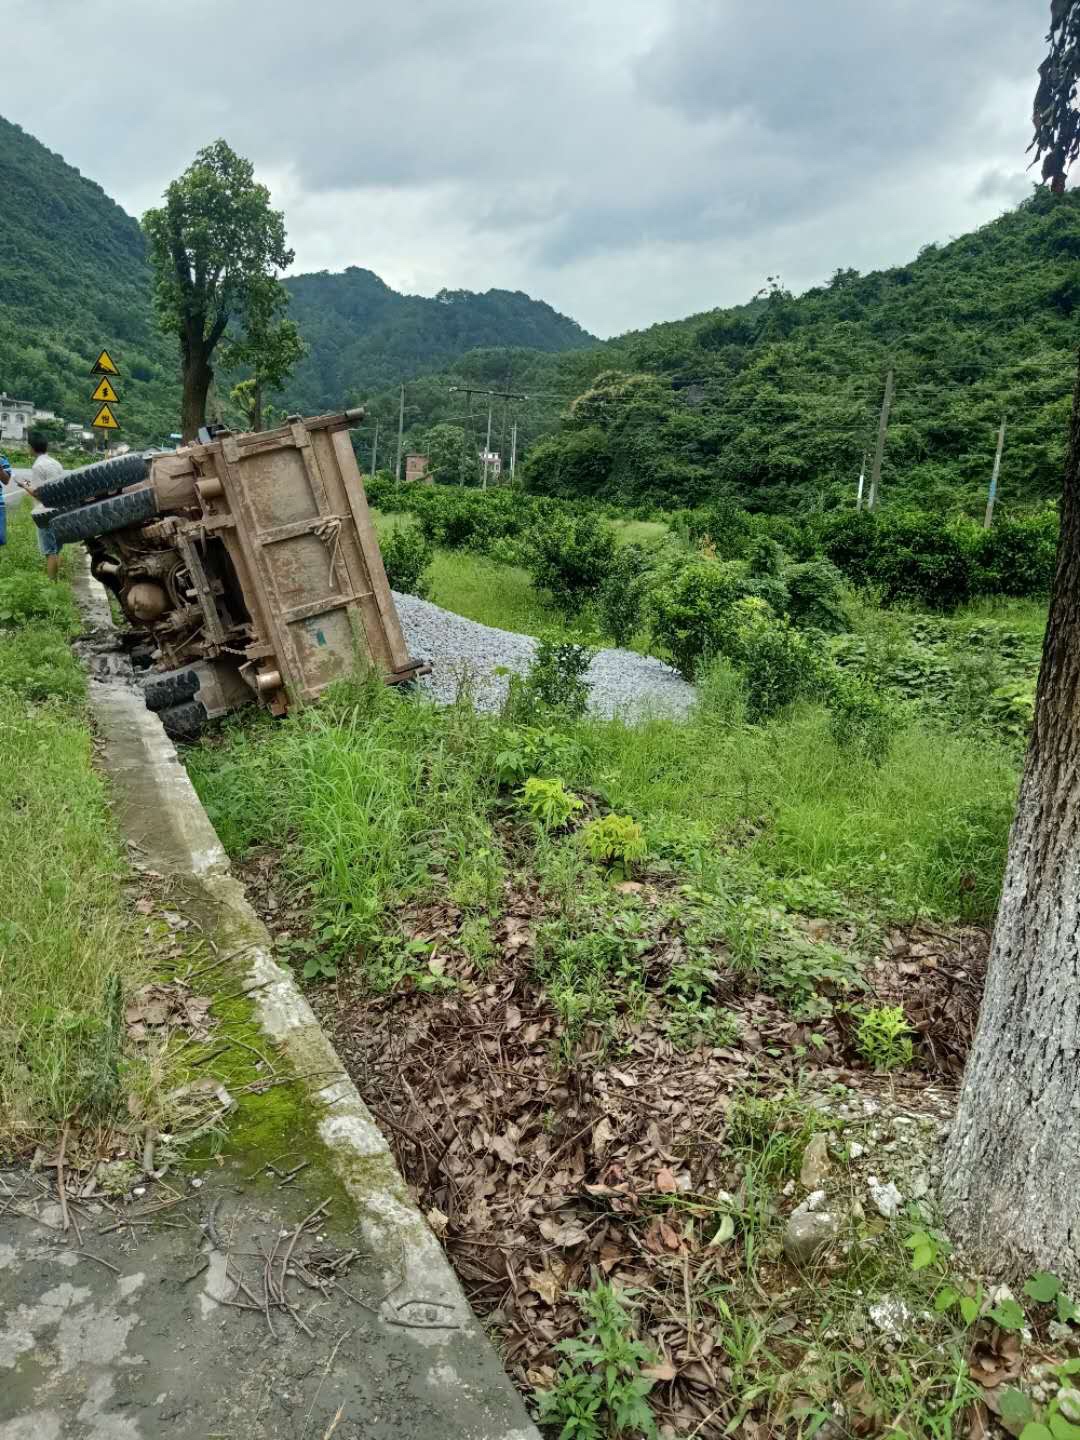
<point x="215" y="244"/>
<point x="1012" y="1174"/>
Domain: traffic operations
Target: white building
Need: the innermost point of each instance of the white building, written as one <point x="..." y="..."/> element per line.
<point x="16" y="417"/>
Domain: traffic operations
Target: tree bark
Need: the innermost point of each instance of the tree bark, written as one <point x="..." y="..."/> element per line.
<point x="1012" y="1174"/>
<point x="198" y="376"/>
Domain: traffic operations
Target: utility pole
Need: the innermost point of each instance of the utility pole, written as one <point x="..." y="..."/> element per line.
<point x="375" y="448"/>
<point x="400" y="433"/>
<point x="487" y="443"/>
<point x="469" y="391"/>
<point x="513" y="451"/>
<point x="989" y="520"/>
<point x="862" y="482"/>
<point x="879" y="452"/>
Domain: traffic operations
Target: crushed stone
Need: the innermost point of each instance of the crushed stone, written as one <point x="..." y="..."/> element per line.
<point x="464" y="654"/>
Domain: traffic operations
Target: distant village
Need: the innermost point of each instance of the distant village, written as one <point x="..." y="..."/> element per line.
<point x="18" y="418"/>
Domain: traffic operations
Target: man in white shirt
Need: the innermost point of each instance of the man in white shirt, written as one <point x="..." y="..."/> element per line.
<point x="45" y="467"/>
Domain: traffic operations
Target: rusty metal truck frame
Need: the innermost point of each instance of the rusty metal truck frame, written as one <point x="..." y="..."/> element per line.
<point x="249" y="560"/>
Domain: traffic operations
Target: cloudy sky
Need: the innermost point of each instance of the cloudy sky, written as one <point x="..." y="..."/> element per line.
<point x="626" y="160"/>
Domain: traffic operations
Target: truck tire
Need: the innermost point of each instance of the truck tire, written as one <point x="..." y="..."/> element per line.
<point x="184" y="722"/>
<point x="104" y="477"/>
<point x="117" y="513"/>
<point x="161" y="692"/>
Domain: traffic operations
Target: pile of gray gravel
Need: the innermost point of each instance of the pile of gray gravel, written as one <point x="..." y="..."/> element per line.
<point x="464" y="653"/>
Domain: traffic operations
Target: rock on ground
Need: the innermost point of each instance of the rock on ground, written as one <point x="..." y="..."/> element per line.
<point x="464" y="654"/>
<point x="810" y="1230"/>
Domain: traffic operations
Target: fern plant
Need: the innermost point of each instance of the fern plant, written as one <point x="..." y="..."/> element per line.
<point x="549" y="802"/>
<point x="884" y="1037"/>
<point x="615" y="841"/>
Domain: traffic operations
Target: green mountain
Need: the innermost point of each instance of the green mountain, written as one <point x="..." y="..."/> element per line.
<point x="364" y="336"/>
<point x="73" y="280"/>
<point x="775" y="403"/>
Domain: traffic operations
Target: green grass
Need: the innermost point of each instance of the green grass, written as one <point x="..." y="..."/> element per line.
<point x="1027" y="617"/>
<point x="494" y="594"/>
<point x="385" y="795"/>
<point x="482" y="589"/>
<point x="643" y="531"/>
<point x="67" y="946"/>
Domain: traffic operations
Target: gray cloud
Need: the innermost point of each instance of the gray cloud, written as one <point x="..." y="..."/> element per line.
<point x="627" y="160"/>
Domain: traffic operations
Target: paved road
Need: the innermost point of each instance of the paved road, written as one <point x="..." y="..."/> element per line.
<point x="12" y="493"/>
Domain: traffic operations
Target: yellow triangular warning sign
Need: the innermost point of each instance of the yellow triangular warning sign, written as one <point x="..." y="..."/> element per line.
<point x="105" y="391"/>
<point x="103" y="365"/>
<point x="105" y="420"/>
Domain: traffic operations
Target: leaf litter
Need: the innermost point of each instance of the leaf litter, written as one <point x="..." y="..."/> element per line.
<point x="540" y="1175"/>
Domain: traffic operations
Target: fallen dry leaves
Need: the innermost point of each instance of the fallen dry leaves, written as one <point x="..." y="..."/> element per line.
<point x="536" y="1176"/>
<point x="156" y="1009"/>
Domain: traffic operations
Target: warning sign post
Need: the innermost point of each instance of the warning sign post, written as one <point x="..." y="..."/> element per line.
<point x="105" y="393"/>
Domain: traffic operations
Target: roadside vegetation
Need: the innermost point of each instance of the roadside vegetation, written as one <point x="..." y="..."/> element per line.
<point x="627" y="997"/>
<point x="68" y="943"/>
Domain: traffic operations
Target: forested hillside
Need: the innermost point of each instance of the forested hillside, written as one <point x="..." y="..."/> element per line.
<point x="364" y="336"/>
<point x="771" y="403"/>
<point x="73" y="278"/>
<point x="774" y="403"/>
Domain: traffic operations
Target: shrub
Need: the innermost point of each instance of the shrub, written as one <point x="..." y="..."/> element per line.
<point x="861" y="718"/>
<point x="549" y="802"/>
<point x="625" y="590"/>
<point x="850" y="542"/>
<point x="918" y="559"/>
<point x="816" y="597"/>
<point x="765" y="557"/>
<point x="779" y="664"/>
<point x="615" y="841"/>
<point x="728" y="527"/>
<point x="555" y="681"/>
<point x="407" y="554"/>
<point x="691" y="610"/>
<point x="1017" y="557"/>
<point x="572" y="556"/>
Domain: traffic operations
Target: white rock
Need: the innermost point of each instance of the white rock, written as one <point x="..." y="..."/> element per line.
<point x="892" y="1316"/>
<point x="1069" y="1400"/>
<point x="887" y="1199"/>
<point x="856" y="1151"/>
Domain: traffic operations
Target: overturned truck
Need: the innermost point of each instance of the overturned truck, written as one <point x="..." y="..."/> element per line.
<point x="249" y="562"/>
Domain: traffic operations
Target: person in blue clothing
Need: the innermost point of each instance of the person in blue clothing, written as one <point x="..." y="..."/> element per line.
<point x="5" y="476"/>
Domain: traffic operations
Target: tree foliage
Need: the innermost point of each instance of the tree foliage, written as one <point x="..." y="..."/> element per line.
<point x="1057" y="121"/>
<point x="215" y="249"/>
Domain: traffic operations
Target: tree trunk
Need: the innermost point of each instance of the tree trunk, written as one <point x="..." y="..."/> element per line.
<point x="1012" y="1173"/>
<point x="198" y="376"/>
<point x="256" y="405"/>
